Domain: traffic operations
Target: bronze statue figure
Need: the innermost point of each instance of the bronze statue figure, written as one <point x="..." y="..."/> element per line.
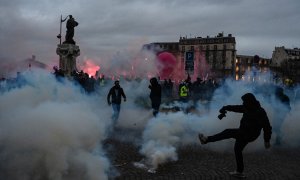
<point x="71" y="24"/>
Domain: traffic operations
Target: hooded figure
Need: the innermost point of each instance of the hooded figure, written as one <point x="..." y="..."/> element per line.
<point x="155" y="95"/>
<point x="254" y="119"/>
<point x="282" y="108"/>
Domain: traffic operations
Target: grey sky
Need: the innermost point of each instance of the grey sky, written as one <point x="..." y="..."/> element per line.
<point x="107" y="26"/>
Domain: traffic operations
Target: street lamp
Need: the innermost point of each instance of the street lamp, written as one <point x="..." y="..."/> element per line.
<point x="61" y="21"/>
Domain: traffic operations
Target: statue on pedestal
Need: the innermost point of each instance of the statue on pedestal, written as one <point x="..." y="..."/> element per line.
<point x="71" y="24"/>
<point x="68" y="51"/>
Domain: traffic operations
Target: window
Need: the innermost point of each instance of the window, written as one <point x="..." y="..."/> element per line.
<point x="183" y="48"/>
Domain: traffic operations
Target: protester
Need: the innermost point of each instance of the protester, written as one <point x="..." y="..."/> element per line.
<point x="183" y="92"/>
<point x="254" y="119"/>
<point x="155" y="95"/>
<point x="170" y="88"/>
<point x="114" y="99"/>
<point x="281" y="111"/>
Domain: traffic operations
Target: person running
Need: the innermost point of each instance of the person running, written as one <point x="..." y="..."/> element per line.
<point x="253" y="120"/>
<point x="115" y="94"/>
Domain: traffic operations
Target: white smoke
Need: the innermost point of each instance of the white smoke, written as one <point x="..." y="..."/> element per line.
<point x="50" y="130"/>
<point x="164" y="134"/>
<point x="54" y="130"/>
<point x="291" y="126"/>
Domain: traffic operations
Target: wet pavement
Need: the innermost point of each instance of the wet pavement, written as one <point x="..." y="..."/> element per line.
<point x="196" y="162"/>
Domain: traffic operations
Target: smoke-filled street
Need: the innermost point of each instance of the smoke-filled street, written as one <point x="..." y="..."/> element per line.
<point x="179" y="90"/>
<point x="195" y="162"/>
<point x="53" y="129"/>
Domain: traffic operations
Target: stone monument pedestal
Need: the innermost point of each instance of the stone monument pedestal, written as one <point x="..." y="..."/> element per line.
<point x="67" y="57"/>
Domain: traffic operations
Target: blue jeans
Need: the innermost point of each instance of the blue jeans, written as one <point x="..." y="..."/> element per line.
<point x="116" y="109"/>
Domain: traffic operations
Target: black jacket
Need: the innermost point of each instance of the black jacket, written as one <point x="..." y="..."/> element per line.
<point x="253" y="120"/>
<point x="155" y="94"/>
<point x="116" y="98"/>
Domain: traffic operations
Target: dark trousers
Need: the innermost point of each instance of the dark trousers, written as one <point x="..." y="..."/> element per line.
<point x="238" y="146"/>
<point x="155" y="107"/>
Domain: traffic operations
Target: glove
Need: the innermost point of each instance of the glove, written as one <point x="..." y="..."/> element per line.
<point x="220" y="116"/>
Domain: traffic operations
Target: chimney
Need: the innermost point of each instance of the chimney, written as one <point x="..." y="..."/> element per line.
<point x="33" y="58"/>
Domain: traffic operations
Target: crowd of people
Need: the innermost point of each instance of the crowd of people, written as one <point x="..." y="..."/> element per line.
<point x="187" y="90"/>
<point x="184" y="91"/>
<point x="83" y="79"/>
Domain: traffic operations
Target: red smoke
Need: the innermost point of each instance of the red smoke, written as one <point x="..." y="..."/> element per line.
<point x="166" y="65"/>
<point x="90" y="67"/>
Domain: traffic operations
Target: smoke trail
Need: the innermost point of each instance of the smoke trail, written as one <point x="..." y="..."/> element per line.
<point x="49" y="130"/>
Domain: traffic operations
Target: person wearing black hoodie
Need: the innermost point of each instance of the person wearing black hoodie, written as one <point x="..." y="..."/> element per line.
<point x="253" y="120"/>
<point x="116" y="92"/>
<point x="155" y="95"/>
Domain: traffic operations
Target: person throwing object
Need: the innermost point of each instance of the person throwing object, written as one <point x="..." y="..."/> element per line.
<point x="253" y="120"/>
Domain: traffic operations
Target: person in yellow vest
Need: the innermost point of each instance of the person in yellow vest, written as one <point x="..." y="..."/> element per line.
<point x="183" y="92"/>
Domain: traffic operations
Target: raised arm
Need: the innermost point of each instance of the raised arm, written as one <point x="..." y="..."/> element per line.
<point x="233" y="108"/>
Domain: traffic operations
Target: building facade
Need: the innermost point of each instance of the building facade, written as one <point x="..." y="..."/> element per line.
<point x="246" y="63"/>
<point x="199" y="57"/>
<point x="281" y="54"/>
<point x="286" y="62"/>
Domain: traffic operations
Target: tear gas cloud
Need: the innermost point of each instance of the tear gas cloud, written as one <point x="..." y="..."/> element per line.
<point x="49" y="130"/>
<point x="54" y="130"/>
<point x="164" y="134"/>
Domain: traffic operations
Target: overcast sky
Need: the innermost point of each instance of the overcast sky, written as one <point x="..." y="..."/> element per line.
<point x="108" y="26"/>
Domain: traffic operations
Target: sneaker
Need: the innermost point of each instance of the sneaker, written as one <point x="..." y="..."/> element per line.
<point x="202" y="138"/>
<point x="237" y="174"/>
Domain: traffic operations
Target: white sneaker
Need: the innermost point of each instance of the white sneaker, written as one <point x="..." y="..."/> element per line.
<point x="202" y="138"/>
<point x="237" y="174"/>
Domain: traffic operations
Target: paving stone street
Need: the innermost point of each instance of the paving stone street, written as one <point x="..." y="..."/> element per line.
<point x="196" y="162"/>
